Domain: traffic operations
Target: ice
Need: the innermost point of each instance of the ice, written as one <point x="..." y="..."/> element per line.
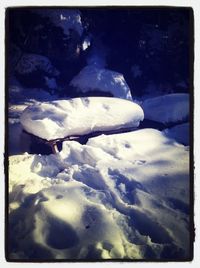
<point x="79" y="116"/>
<point x="169" y="108"/>
<point x="118" y="196"/>
<point x="93" y="78"/>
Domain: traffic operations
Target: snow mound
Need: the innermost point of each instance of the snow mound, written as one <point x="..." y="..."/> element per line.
<point x="34" y="62"/>
<point x="93" y="78"/>
<point x="180" y="133"/>
<point x="79" y="116"/>
<point x="117" y="197"/>
<point x="65" y="18"/>
<point x="170" y="108"/>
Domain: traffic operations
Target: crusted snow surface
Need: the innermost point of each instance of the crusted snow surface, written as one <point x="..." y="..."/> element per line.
<point x="93" y="78"/>
<point x="169" y="108"/>
<point x="78" y="116"/>
<point x="122" y="196"/>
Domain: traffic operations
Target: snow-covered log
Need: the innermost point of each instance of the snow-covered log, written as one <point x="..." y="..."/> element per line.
<point x="79" y="116"/>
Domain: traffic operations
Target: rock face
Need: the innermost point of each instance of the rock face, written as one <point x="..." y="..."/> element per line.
<point x="79" y="116"/>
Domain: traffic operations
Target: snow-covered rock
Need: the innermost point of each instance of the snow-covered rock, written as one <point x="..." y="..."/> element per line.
<point x="170" y="108"/>
<point x="93" y="78"/>
<point x="118" y="196"/>
<point x="79" y="116"/>
<point x="29" y="63"/>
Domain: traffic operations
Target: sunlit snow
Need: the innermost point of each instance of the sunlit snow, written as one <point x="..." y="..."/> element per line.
<point x="93" y="78"/>
<point x="118" y="183"/>
<point x="78" y="116"/>
<point x="118" y="196"/>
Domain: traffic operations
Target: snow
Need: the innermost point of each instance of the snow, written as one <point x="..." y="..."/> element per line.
<point x="19" y="99"/>
<point x="86" y="42"/>
<point x="34" y="62"/>
<point x="118" y="196"/>
<point x="171" y="108"/>
<point x="93" y="78"/>
<point x="79" y="116"/>
<point x="65" y="18"/>
<point x="180" y="133"/>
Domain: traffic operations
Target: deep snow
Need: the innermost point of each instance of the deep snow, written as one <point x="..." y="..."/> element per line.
<point x="118" y="196"/>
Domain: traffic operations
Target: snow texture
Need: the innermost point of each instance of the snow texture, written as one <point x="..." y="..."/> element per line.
<point x="65" y="18"/>
<point x="171" y="108"/>
<point x="79" y="116"/>
<point x="108" y="199"/>
<point x="93" y="78"/>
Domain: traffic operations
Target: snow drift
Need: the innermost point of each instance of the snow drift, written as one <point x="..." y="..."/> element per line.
<point x="93" y="78"/>
<point x="79" y="116"/>
<point x="117" y="197"/>
<point x="170" y="108"/>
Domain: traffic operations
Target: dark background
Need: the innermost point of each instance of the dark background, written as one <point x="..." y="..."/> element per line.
<point x="155" y="42"/>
